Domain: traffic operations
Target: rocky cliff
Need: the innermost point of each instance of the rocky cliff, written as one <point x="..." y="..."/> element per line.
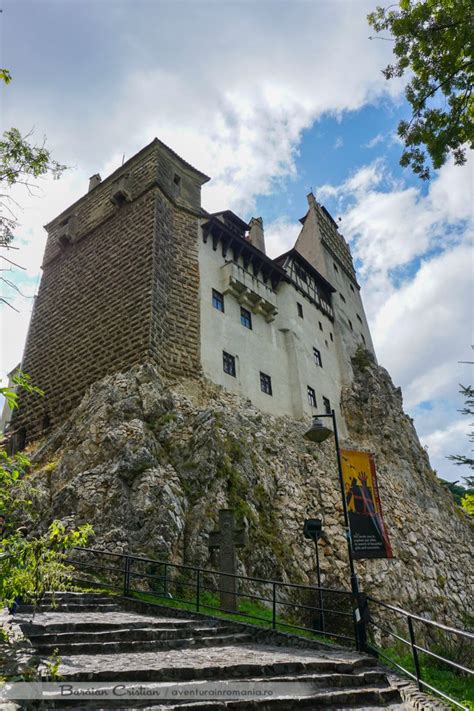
<point x="150" y="464"/>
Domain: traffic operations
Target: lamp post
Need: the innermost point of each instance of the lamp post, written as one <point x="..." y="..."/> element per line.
<point x="318" y="433"/>
<point x="313" y="530"/>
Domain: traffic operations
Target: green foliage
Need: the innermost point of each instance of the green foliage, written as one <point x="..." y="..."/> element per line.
<point x="5" y="76"/>
<point x="457" y="490"/>
<point x="362" y="358"/>
<point x="467" y="391"/>
<point x="20" y="161"/>
<point x="21" y="380"/>
<point x="30" y="567"/>
<point x="467" y="502"/>
<point x="459" y="687"/>
<point x="433" y="43"/>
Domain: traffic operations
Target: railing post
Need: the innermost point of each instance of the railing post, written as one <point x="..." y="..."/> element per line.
<point x="126" y="575"/>
<point x="414" y="652"/>
<point x="198" y="588"/>
<point x="274" y="606"/>
<point x="165" y="581"/>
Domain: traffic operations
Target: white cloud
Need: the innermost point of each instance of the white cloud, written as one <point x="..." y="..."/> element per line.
<point x="379" y="138"/>
<point x="415" y="255"/>
<point x="280" y="236"/>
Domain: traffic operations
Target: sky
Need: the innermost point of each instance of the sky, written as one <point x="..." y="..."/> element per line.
<point x="272" y="99"/>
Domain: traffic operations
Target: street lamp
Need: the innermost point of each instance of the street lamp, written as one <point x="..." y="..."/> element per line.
<point x="319" y="433"/>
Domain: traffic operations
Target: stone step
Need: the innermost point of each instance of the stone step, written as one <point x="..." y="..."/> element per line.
<point x="148" y="667"/>
<point x="70" y="607"/>
<point x="45" y="637"/>
<point x="32" y="628"/>
<point x="98" y="648"/>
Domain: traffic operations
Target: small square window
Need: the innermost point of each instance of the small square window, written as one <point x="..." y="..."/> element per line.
<point x="218" y="300"/>
<point x="331" y="337"/>
<point x="300" y="310"/>
<point x="317" y="357"/>
<point x="266" y="384"/>
<point x="245" y="318"/>
<point x="320" y="326"/>
<point x="311" y="397"/>
<point x="327" y="406"/>
<point x="342" y="298"/>
<point x="350" y="324"/>
<point x="228" y="363"/>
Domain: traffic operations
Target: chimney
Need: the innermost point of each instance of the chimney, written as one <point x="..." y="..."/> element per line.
<point x="256" y="236"/>
<point x="94" y="181"/>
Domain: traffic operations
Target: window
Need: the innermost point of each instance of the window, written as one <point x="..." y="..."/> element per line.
<point x="360" y="320"/>
<point x="350" y="324"/>
<point x="245" y="318"/>
<point x="266" y="384"/>
<point x="300" y="310"/>
<point x="218" y="300"/>
<point x="331" y="337"/>
<point x="326" y="344"/>
<point x="317" y="357"/>
<point x="228" y="363"/>
<point x="311" y="397"/>
<point x="335" y="267"/>
<point x="363" y="339"/>
<point x="342" y="299"/>
<point x="352" y="288"/>
<point x="320" y="326"/>
<point x="327" y="406"/>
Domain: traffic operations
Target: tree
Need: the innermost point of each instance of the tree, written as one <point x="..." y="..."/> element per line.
<point x="468" y="393"/>
<point x="20" y="162"/>
<point x="433" y="42"/>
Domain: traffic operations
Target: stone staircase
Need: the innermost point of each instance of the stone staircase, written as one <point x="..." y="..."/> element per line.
<point x="101" y="641"/>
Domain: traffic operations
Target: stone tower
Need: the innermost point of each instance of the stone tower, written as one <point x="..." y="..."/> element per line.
<point x="112" y="261"/>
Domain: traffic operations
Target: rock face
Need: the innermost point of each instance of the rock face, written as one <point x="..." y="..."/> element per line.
<point x="150" y="465"/>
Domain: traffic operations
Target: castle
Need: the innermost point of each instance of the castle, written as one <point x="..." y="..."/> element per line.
<point x="136" y="270"/>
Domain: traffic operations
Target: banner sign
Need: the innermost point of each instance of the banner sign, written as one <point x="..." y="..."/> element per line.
<point x="368" y="533"/>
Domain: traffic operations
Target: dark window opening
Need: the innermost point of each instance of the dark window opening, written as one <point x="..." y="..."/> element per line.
<point x="266" y="384"/>
<point x="326" y="405"/>
<point x="320" y="326"/>
<point x="317" y="357"/>
<point x="360" y="320"/>
<point x="177" y="180"/>
<point x="352" y="288"/>
<point x="331" y="337"/>
<point x="343" y="299"/>
<point x="218" y="300"/>
<point x="350" y="325"/>
<point x="335" y="267"/>
<point x="311" y="397"/>
<point x="245" y="318"/>
<point x="228" y="363"/>
<point x="363" y="339"/>
<point x="300" y="310"/>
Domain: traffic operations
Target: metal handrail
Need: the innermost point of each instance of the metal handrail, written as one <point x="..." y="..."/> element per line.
<point x="127" y="575"/>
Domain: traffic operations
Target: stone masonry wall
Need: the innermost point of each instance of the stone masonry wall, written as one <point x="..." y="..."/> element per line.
<point x="121" y="289"/>
<point x="92" y="313"/>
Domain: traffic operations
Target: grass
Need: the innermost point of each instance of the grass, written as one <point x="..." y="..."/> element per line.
<point x="457" y="686"/>
<point x="250" y="612"/>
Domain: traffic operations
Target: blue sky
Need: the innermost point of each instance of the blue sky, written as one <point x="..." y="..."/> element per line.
<point x="270" y="98"/>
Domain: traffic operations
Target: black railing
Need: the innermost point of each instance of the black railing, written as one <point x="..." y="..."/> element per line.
<point x="381" y="624"/>
<point x="287" y="607"/>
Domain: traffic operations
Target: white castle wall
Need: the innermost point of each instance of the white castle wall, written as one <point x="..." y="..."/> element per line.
<point x="282" y="348"/>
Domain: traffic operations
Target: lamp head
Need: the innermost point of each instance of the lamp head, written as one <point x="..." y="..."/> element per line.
<point x="317" y="432"/>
